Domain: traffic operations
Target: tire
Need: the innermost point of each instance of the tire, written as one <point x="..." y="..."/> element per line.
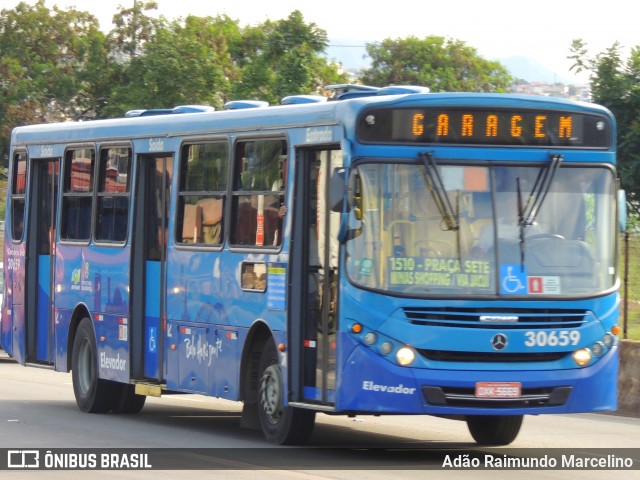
<point x="93" y="394"/>
<point x="494" y="429"/>
<point x="129" y="402"/>
<point x="280" y="425"/>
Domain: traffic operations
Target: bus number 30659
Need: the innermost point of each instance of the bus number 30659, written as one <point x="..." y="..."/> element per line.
<point x="553" y="338"/>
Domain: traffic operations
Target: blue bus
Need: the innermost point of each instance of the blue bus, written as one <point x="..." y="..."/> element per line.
<point x="384" y="251"/>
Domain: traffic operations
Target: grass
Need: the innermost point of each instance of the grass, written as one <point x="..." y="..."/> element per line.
<point x="633" y="322"/>
<point x="632" y="276"/>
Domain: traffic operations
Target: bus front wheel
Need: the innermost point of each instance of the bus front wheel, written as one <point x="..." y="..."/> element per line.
<point x="494" y="429"/>
<point x="281" y="425"/>
<point x="93" y="394"/>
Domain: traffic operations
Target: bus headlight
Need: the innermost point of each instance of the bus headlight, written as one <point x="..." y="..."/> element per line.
<point x="597" y="348"/>
<point x="370" y="338"/>
<point x="405" y="356"/>
<point x="607" y="340"/>
<point x="582" y="357"/>
<point x="386" y="348"/>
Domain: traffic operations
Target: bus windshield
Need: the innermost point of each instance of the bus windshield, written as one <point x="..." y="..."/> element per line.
<point x="466" y="233"/>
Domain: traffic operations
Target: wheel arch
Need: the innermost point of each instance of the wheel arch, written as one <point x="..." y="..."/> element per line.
<point x="250" y="363"/>
<point x="81" y="311"/>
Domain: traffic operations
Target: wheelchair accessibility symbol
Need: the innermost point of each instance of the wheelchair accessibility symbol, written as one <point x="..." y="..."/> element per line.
<point x="152" y="340"/>
<point x="513" y="279"/>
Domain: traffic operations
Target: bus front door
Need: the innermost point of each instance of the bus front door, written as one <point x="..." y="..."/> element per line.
<point x="149" y="255"/>
<point x="313" y="318"/>
<point x="39" y="335"/>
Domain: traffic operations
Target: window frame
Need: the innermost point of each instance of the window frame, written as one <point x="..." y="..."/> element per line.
<point x="101" y="193"/>
<point x="239" y="163"/>
<point x="221" y="194"/>
<point x="68" y="194"/>
<point x="20" y="197"/>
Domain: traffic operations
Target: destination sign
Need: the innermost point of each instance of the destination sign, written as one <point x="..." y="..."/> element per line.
<point x="485" y="126"/>
<point x="439" y="272"/>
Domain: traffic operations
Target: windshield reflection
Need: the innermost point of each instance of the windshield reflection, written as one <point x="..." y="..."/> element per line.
<point x="403" y="243"/>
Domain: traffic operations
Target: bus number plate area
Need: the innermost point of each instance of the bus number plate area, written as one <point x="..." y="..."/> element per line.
<point x="498" y="389"/>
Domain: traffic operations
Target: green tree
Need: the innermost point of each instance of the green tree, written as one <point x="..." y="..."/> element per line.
<point x="133" y="27"/>
<point x="284" y="58"/>
<point x="185" y="62"/>
<point x="615" y="84"/>
<point x="442" y="64"/>
<point x="54" y="66"/>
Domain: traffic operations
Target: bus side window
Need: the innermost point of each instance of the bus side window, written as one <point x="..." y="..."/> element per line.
<point x="18" y="192"/>
<point x="212" y="209"/>
<point x="258" y="197"/>
<point x="245" y="226"/>
<point x="112" y="215"/>
<point x="76" y="211"/>
<point x="191" y="223"/>
<point x="77" y="194"/>
<point x="202" y="196"/>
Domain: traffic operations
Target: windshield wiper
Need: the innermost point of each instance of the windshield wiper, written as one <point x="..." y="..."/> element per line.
<point x="439" y="193"/>
<point x="527" y="213"/>
<point x="540" y="189"/>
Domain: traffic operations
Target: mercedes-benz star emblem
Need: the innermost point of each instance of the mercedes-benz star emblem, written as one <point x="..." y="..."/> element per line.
<point x="499" y="341"/>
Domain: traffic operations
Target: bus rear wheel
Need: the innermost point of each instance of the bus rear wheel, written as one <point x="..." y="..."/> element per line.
<point x="129" y="401"/>
<point x="494" y="429"/>
<point x="93" y="394"/>
<point x="280" y="425"/>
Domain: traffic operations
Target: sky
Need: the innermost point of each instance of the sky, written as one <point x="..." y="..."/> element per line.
<point x="538" y="29"/>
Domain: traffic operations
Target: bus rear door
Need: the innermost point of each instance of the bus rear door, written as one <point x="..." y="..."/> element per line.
<point x="149" y="256"/>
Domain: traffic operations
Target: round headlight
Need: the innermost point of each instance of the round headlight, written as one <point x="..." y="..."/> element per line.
<point x="386" y="348"/>
<point x="607" y="340"/>
<point x="582" y="357"/>
<point x="405" y="356"/>
<point x="597" y="348"/>
<point x="370" y="338"/>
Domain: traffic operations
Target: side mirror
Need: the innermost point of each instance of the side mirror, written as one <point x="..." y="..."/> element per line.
<point x="337" y="190"/>
<point x="622" y="210"/>
<point x="354" y="196"/>
<point x="346" y="199"/>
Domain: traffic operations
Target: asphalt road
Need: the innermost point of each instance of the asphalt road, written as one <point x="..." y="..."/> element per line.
<point x="201" y="437"/>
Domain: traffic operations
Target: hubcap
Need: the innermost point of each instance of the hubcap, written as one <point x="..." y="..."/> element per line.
<point x="85" y="366"/>
<point x="270" y="397"/>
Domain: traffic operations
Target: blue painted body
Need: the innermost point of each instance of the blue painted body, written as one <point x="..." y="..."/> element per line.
<point x="44" y="340"/>
<point x="152" y="343"/>
<point x="94" y="277"/>
<point x="209" y="316"/>
<point x="594" y="387"/>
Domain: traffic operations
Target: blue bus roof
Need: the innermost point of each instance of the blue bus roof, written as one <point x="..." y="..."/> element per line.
<point x="292" y="115"/>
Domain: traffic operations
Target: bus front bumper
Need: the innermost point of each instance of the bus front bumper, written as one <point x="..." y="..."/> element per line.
<point x="371" y="384"/>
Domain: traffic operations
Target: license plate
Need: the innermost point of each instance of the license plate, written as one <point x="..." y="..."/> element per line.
<point x="498" y="389"/>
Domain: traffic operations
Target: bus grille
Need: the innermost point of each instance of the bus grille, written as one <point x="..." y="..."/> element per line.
<point x="465" y="397"/>
<point x="450" y="356"/>
<point x="505" y="319"/>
